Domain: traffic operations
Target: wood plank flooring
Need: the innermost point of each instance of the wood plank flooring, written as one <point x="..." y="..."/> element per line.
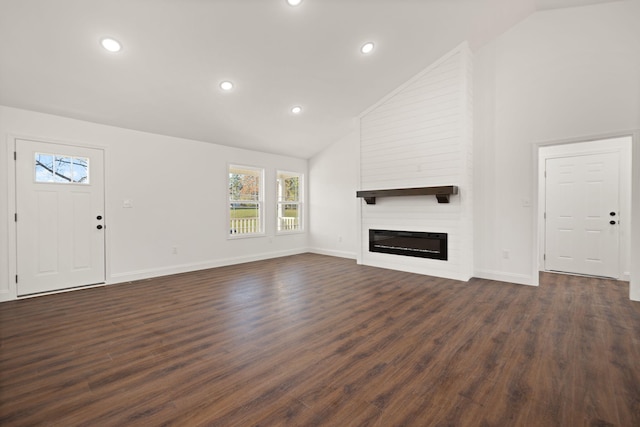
<point x="311" y="340"/>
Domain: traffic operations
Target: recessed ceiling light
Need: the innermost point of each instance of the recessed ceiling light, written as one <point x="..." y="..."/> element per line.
<point x="294" y="2"/>
<point x="367" y="47"/>
<point x="296" y="110"/>
<point x="111" y="45"/>
<point x="226" y="85"/>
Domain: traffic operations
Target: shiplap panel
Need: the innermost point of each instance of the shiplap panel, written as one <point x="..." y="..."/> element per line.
<point x="421" y="136"/>
<point x="440" y="156"/>
<point x="415" y="102"/>
<point x="426" y="110"/>
<point x="400" y="152"/>
<point x="413" y="119"/>
<point x="416" y="137"/>
<point x="413" y="143"/>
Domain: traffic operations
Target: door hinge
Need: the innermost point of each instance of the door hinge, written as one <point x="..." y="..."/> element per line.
<point x="15" y="217"/>
<point x="15" y="155"/>
<point x="545" y="215"/>
<point x="544" y="257"/>
<point x="16" y="278"/>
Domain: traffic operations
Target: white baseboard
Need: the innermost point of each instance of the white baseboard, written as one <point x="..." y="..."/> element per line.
<point x="6" y="295"/>
<point x="131" y="276"/>
<point x="519" y="279"/>
<point x="331" y="252"/>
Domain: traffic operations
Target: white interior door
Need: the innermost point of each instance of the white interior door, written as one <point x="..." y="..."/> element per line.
<point x="60" y="216"/>
<point x="582" y="214"/>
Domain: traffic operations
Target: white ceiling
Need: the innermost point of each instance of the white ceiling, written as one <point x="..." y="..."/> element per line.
<point x="176" y="52"/>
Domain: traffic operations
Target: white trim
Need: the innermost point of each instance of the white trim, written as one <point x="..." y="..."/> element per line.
<point x="261" y="202"/>
<point x="12" y="291"/>
<point x="60" y="291"/>
<point x="634" y="279"/>
<point x="501" y="276"/>
<point x="186" y="268"/>
<point x="539" y="199"/>
<point x="359" y="249"/>
<point x="300" y="203"/>
<point x="129" y="277"/>
<point x="332" y="252"/>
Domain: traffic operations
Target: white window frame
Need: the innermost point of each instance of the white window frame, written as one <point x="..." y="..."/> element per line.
<point x="259" y="203"/>
<point x="280" y="203"/>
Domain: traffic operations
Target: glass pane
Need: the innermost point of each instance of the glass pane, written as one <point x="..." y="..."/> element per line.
<point x="62" y="169"/>
<point x="291" y="189"/>
<point x="44" y="167"/>
<point x="288" y="217"/>
<point x="244" y="218"/>
<point x="244" y="186"/>
<point x="288" y="187"/>
<point x="80" y="170"/>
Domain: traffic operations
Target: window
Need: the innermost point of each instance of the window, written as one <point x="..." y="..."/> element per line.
<point x="289" y="186"/>
<point x="245" y="200"/>
<point x="63" y="169"/>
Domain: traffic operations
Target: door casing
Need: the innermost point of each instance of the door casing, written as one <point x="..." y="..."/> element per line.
<point x="621" y="143"/>
<point x="10" y="291"/>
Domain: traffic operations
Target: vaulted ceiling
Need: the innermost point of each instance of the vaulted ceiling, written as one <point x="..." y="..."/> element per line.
<point x="175" y="54"/>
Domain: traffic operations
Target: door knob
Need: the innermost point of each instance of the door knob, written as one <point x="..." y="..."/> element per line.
<point x="99" y="217"/>
<point x="610" y="222"/>
<point x="612" y="213"/>
<point x="99" y="227"/>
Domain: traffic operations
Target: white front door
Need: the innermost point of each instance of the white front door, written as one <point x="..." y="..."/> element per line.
<point x="582" y="214"/>
<point x="60" y="216"/>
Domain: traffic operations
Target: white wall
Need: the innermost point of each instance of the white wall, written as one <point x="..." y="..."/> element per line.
<point x="333" y="179"/>
<point x="420" y="136"/>
<point x="558" y="75"/>
<point x="178" y="190"/>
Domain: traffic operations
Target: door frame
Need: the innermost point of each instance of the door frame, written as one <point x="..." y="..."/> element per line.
<point x="12" y="240"/>
<point x="628" y="247"/>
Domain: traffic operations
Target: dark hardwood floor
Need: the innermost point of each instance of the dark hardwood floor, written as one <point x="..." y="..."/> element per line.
<point x="313" y="340"/>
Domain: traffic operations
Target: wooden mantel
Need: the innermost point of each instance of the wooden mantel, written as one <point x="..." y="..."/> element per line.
<point x="441" y="193"/>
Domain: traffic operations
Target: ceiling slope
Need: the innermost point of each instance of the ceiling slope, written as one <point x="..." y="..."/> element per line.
<point x="175" y="53"/>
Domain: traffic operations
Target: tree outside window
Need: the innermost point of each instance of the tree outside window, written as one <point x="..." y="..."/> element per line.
<point x="245" y="200"/>
<point x="289" y="185"/>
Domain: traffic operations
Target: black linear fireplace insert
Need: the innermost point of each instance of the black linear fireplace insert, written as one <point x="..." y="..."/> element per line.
<point x="409" y="243"/>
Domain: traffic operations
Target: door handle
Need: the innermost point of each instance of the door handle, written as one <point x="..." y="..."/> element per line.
<point x="99" y="217"/>
<point x="612" y="213"/>
<point x="99" y="227"/>
<point x="610" y="222"/>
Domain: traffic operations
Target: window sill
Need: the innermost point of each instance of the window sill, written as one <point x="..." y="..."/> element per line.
<point x="285" y="233"/>
<point x="245" y="236"/>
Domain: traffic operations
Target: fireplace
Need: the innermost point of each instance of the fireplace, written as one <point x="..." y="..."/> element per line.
<point x="409" y="243"/>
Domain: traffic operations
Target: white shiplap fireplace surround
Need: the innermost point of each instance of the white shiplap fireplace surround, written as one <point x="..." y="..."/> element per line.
<point x="421" y="136"/>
